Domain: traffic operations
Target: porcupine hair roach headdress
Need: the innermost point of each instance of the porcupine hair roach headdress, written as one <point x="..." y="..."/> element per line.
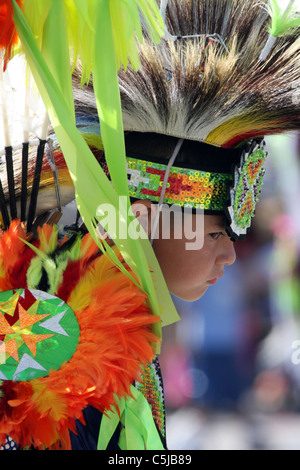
<point x="215" y="89"/>
<point x="221" y="81"/>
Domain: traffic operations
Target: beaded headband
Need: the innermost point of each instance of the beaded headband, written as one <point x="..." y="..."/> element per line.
<point x="195" y="189"/>
<point x="233" y="193"/>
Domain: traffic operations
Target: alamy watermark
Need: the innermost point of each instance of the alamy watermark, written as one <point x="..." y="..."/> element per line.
<point x="140" y="221"/>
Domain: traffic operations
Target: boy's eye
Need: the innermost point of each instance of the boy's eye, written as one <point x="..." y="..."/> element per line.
<point x="215" y="235"/>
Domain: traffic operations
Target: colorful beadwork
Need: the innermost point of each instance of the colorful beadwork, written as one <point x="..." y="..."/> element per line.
<point x="248" y="180"/>
<point x="9" y="444"/>
<point x="186" y="187"/>
<point x="151" y="387"/>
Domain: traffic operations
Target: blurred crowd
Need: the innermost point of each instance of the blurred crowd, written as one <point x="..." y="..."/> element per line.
<point x="231" y="366"/>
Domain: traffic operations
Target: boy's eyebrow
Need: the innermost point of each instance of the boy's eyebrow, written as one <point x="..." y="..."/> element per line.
<point x="219" y="225"/>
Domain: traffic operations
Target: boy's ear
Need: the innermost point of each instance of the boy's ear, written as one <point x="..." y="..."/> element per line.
<point x="145" y="212"/>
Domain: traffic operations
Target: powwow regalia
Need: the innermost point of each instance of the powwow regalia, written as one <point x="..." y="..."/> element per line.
<point x="195" y="86"/>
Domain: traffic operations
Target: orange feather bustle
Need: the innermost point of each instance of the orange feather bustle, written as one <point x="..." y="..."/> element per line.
<point x="8" y="33"/>
<point x="116" y="341"/>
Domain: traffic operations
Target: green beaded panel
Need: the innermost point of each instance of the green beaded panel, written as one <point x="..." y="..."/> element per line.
<point x="248" y="188"/>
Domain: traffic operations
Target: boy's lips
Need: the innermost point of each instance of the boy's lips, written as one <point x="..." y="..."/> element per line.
<point x="213" y="281"/>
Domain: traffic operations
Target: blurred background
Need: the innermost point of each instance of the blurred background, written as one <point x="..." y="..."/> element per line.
<point x="231" y="366"/>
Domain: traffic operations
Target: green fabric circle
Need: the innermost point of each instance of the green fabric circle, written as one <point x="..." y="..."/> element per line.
<point x="38" y="333"/>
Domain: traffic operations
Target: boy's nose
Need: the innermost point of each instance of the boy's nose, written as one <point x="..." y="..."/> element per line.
<point x="227" y="255"/>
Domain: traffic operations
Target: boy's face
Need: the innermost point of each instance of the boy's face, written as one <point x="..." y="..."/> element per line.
<point x="189" y="273"/>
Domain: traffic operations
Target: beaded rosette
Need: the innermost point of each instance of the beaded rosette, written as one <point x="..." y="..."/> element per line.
<point x="245" y="191"/>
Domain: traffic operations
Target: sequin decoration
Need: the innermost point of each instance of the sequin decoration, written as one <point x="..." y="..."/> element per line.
<point x="151" y="386"/>
<point x="248" y="180"/>
<point x="186" y="187"/>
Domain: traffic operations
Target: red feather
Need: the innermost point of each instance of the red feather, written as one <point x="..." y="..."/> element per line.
<point x="71" y="277"/>
<point x="8" y="33"/>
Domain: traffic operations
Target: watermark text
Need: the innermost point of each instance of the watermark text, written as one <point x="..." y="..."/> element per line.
<point x="140" y="221"/>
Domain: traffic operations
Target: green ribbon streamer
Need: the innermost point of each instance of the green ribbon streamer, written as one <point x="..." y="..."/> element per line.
<point x="138" y="432"/>
<point x="56" y="52"/>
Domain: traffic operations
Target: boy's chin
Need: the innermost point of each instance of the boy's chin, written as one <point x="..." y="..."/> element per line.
<point x="192" y="295"/>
